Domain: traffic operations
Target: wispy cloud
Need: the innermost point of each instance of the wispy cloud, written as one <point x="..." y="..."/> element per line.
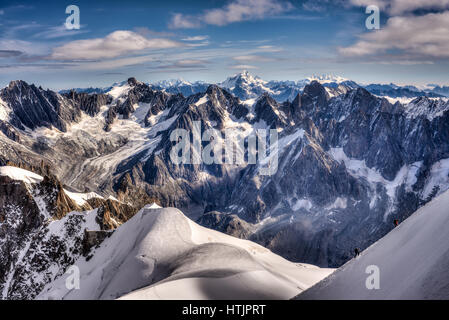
<point x="415" y="38"/>
<point x="398" y="7"/>
<point x="235" y="11"/>
<point x="59" y="32"/>
<point x="269" y="49"/>
<point x="10" y="53"/>
<point x="183" y="64"/>
<point x="196" y="38"/>
<point x="115" y="44"/>
<point x="148" y="33"/>
<point x="115" y="64"/>
<point x="26" y="47"/>
<point x="243" y="67"/>
<point x="254" y="58"/>
<point x="181" y="21"/>
<point x="197" y="41"/>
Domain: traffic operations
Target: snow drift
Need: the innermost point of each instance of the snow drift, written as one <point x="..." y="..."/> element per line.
<point x="413" y="261"/>
<point x="161" y="254"/>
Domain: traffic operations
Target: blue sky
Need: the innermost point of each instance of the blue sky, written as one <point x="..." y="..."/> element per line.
<point x="210" y="40"/>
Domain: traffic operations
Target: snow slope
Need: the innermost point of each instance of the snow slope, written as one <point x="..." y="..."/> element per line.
<point x="20" y="174"/>
<point x="161" y="254"/>
<point x="29" y="177"/>
<point x="413" y="261"/>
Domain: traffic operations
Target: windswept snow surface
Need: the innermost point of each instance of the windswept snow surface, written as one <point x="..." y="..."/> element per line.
<point x="20" y="174"/>
<point x="161" y="254"/>
<point x="81" y="198"/>
<point x="413" y="261"/>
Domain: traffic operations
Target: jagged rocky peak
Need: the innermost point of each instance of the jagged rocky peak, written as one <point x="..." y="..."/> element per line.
<point x="327" y="78"/>
<point x="16" y="87"/>
<point x="44" y="228"/>
<point x="221" y="95"/>
<point x="243" y="76"/>
<point x="132" y="81"/>
<point x="314" y="98"/>
<point x="89" y="103"/>
<point x="17" y="84"/>
<point x="33" y="107"/>
<point x="268" y="110"/>
<point x="367" y="102"/>
<point x="315" y="89"/>
<point x="245" y="86"/>
<point x="264" y="101"/>
<point x="21" y="87"/>
<point x="213" y="89"/>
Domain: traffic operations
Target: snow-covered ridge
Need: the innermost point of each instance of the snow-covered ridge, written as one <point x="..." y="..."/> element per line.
<point x="20" y="174"/>
<point x="29" y="177"/>
<point x="327" y="78"/>
<point x="411" y="261"/>
<point x="430" y="107"/>
<point x="161" y="254"/>
<point x="81" y="198"/>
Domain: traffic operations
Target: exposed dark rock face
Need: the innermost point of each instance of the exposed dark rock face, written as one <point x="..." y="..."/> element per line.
<point x="33" y="107"/>
<point x="9" y="131"/>
<point x="229" y="224"/>
<point x="25" y="210"/>
<point x="111" y="213"/>
<point x="93" y="239"/>
<point x="89" y="103"/>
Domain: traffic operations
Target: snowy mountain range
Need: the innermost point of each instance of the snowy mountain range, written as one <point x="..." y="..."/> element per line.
<point x="248" y="87"/>
<point x="349" y="163"/>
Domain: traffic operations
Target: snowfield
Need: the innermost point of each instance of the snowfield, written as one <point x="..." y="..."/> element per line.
<point x="161" y="254"/>
<point x="413" y="261"/>
<point x="20" y="174"/>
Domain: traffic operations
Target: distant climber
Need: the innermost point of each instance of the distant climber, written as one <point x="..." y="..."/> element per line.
<point x="356" y="252"/>
<point x="396" y="222"/>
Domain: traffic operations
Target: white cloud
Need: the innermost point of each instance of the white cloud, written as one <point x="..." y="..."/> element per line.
<point x="58" y="32"/>
<point x="416" y="38"/>
<point x="199" y="44"/>
<point x="251" y="57"/>
<point x="27" y="47"/>
<point x="114" y="64"/>
<point x="234" y="11"/>
<point x="113" y="45"/>
<point x="243" y="67"/>
<point x="196" y="38"/>
<point x="398" y="7"/>
<point x="183" y="64"/>
<point x="180" y="21"/>
<point x="144" y="31"/>
<point x="269" y="49"/>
